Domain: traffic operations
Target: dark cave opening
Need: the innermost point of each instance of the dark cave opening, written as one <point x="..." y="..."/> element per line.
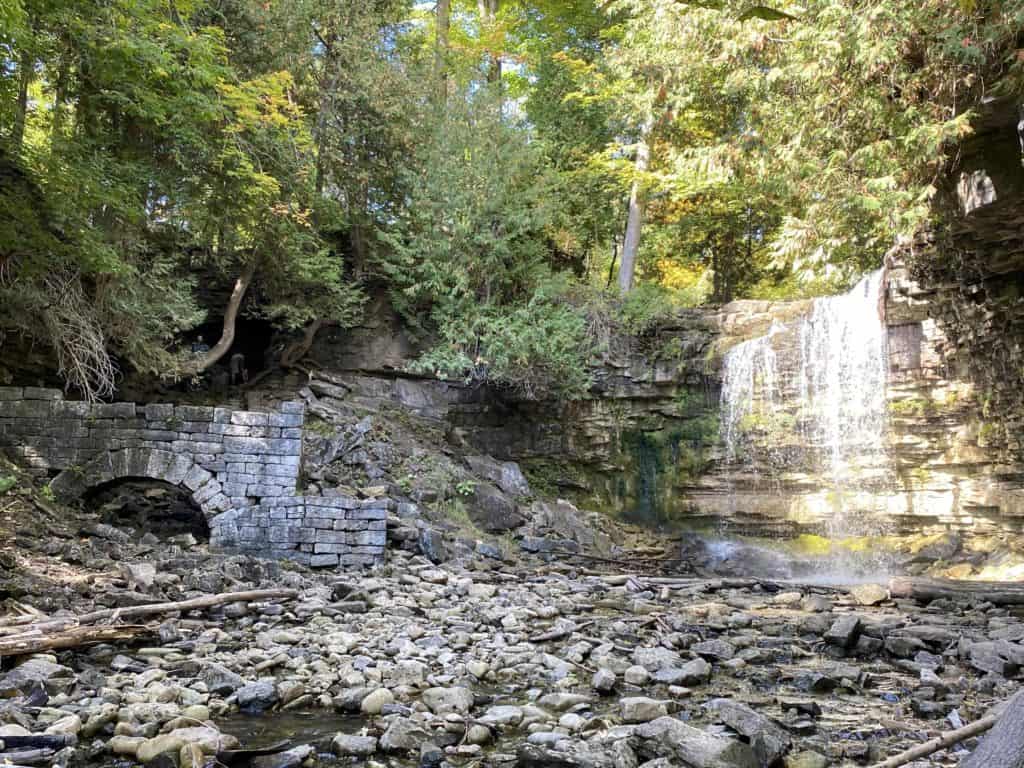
<point x="148" y="506"/>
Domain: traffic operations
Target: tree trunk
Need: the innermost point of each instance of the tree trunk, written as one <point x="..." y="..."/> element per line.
<point x="20" y="645"/>
<point x="40" y="627"/>
<point x="635" y="221"/>
<point x="444" y="11"/>
<point x="611" y="267"/>
<point x="296" y="351"/>
<point x="25" y="74"/>
<point x="326" y="98"/>
<point x="488" y="10"/>
<point x="59" y="96"/>
<point x="227" y="336"/>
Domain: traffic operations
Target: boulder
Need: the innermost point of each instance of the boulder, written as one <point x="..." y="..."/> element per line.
<point x="208" y="740"/>
<point x="505" y="474"/>
<point x="696" y="672"/>
<point x="375" y="701"/>
<point x="869" y="594"/>
<point x="640" y="709"/>
<point x="430" y="542"/>
<point x="653" y="659"/>
<point x="769" y="739"/>
<point x="351" y="745"/>
<point x="291" y="758"/>
<point x="493" y="511"/>
<point x="258" y="696"/>
<point x="668" y="737"/>
<point x="568" y="753"/>
<point x="444" y="701"/>
<point x="603" y="681"/>
<point x="69" y="725"/>
<point x="140" y="576"/>
<point x="502" y="715"/>
<point x="403" y="735"/>
<point x="125" y="745"/>
<point x="220" y="680"/>
<point x="35" y="672"/>
<point x="844" y="631"/>
<point x="719" y="650"/>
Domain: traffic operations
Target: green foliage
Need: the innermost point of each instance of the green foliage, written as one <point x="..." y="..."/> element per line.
<point x="646" y="307"/>
<point x="152" y="153"/>
<point x="469" y="259"/>
<point x="148" y="149"/>
<point x="7" y="482"/>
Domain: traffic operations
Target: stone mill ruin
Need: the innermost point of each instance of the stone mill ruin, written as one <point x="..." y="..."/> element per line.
<point x="241" y="468"/>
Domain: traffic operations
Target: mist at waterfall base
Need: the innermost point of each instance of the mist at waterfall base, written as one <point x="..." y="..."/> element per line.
<point x="835" y="402"/>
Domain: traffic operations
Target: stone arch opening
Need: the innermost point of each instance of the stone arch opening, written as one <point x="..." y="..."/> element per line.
<point x="148" y="506"/>
<point x="174" y="469"/>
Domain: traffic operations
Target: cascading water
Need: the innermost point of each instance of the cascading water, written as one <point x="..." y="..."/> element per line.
<point x="749" y="383"/>
<point x="811" y="399"/>
<point x="839" y="382"/>
<point x="843" y="375"/>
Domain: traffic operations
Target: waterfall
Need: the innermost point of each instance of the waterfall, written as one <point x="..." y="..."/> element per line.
<point x="818" y="384"/>
<point x="749" y="382"/>
<point x="843" y="375"/>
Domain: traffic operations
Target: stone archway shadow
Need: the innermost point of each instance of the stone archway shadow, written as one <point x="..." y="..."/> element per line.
<point x="174" y="468"/>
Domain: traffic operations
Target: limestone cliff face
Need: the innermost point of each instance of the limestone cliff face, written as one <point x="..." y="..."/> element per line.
<point x="647" y="442"/>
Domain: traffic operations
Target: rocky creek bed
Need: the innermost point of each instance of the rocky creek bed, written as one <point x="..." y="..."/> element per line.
<point x="492" y="663"/>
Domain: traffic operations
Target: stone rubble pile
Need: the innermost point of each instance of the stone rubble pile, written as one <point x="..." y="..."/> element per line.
<point x="483" y="664"/>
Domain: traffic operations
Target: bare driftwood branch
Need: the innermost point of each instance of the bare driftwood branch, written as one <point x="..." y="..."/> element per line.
<point x="1003" y="748"/>
<point x="34" y="642"/>
<point x="940" y="742"/>
<point x="151" y="609"/>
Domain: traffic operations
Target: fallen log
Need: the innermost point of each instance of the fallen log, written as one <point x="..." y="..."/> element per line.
<point x="34" y="642"/>
<point x="151" y="609"/>
<point x="718" y="584"/>
<point x="27" y="757"/>
<point x="559" y="632"/>
<point x="995" y="592"/>
<point x="638" y="561"/>
<point x="40" y="741"/>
